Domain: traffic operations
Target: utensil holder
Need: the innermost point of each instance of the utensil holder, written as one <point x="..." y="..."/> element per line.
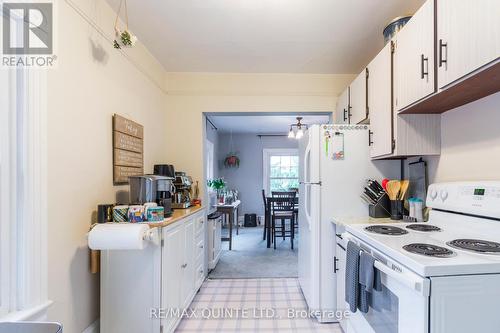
<point x="397" y="209"/>
<point x="381" y="208"/>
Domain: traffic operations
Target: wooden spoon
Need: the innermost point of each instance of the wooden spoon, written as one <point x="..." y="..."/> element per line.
<point x="393" y="187"/>
<point x="404" y="188"/>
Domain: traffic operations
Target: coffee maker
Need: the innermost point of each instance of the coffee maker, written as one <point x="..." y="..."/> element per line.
<point x="152" y="188"/>
<point x="182" y="196"/>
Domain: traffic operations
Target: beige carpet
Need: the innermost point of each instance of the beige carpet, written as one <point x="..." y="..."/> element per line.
<point x="250" y="258"/>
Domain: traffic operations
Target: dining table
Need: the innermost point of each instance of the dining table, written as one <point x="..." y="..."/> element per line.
<point x="267" y="218"/>
<point x="230" y="210"/>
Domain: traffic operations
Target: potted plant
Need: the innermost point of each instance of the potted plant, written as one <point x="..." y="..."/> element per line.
<point x="123" y="38"/>
<point x="232" y="160"/>
<point x="218" y="184"/>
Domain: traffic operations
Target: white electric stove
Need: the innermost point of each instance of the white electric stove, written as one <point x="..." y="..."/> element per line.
<point x="441" y="276"/>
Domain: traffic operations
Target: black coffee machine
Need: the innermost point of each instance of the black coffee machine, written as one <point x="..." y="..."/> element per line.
<point x="165" y="189"/>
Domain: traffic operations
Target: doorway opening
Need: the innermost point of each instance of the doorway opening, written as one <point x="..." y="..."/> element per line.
<point x="250" y="160"/>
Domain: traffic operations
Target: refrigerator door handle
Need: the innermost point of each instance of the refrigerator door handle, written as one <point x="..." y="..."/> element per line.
<point x="311" y="183"/>
<point x="307" y="195"/>
<point x="307" y="183"/>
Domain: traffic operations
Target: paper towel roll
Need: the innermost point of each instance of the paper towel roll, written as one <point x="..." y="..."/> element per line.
<point x="118" y="236"/>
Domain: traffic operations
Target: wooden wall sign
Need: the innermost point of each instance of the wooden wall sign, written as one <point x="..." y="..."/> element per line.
<point x="128" y="149"/>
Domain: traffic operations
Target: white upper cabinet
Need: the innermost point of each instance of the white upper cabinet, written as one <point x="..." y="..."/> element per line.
<point x="414" y="58"/>
<point x="342" y="111"/>
<point x="357" y="99"/>
<point x="468" y="37"/>
<point x="379" y="103"/>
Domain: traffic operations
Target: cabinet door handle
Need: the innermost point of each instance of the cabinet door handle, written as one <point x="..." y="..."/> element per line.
<point x="345" y="115"/>
<point x="424" y="66"/>
<point x="441" y="58"/>
<point x="370" y="142"/>
<point x="335" y="269"/>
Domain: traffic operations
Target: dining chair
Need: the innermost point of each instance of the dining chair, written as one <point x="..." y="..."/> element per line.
<point x="282" y="210"/>
<point x="266" y="213"/>
<point x="289" y="194"/>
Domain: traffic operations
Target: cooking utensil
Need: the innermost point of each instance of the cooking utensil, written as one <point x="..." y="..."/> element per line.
<point x="376" y="185"/>
<point x="384" y="183"/>
<point x="392" y="188"/>
<point x="367" y="199"/>
<point x="362" y="196"/>
<point x="371" y="195"/>
<point x="404" y="188"/>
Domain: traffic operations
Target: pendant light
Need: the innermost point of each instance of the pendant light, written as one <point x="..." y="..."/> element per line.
<point x="299" y="133"/>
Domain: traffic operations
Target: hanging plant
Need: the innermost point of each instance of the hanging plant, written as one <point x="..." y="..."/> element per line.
<point x="232" y="160"/>
<point x="123" y="38"/>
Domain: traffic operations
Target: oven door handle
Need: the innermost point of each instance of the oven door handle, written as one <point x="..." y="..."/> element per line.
<point x="416" y="283"/>
<point x="420" y="285"/>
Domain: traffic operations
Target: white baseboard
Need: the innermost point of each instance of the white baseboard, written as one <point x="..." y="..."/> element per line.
<point x="93" y="328"/>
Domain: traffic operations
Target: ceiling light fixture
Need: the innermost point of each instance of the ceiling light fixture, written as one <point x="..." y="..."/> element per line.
<point x="299" y="132"/>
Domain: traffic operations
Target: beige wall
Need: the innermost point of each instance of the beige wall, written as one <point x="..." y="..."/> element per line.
<point x="192" y="94"/>
<point x="470" y="141"/>
<point x="92" y="81"/>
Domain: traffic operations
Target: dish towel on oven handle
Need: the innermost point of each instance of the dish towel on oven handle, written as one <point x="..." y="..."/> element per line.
<point x="352" y="276"/>
<point x="369" y="280"/>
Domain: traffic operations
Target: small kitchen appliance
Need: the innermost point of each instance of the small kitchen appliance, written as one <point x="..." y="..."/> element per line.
<point x="182" y="196"/>
<point x="152" y="188"/>
<point x="442" y="276"/>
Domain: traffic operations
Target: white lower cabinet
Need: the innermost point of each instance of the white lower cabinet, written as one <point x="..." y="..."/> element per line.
<point x="172" y="273"/>
<point x="340" y="262"/>
<point x="182" y="267"/>
<point x="214" y="241"/>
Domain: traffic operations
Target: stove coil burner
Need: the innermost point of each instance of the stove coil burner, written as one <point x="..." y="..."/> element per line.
<point x="423" y="227"/>
<point x="429" y="250"/>
<point x="476" y="245"/>
<point x="386" y="230"/>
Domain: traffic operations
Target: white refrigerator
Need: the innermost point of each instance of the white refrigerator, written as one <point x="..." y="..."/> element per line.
<point x="334" y="165"/>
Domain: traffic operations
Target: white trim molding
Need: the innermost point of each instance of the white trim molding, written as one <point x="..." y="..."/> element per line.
<point x="23" y="197"/>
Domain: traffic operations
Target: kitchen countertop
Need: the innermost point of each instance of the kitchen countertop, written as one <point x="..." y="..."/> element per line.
<point x="361" y="220"/>
<point x="177" y="215"/>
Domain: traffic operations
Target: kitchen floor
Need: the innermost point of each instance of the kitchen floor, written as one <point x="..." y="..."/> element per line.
<point x="250" y="257"/>
<point x="251" y="305"/>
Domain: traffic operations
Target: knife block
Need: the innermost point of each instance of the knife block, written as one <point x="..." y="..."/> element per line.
<point x="381" y="209"/>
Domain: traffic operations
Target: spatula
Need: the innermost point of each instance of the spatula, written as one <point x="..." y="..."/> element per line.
<point x="393" y="187"/>
<point x="404" y="188"/>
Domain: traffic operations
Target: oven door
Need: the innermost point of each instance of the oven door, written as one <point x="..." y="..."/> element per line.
<point x="402" y="306"/>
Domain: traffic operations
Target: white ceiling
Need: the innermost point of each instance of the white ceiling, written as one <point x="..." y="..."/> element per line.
<point x="264" y="36"/>
<point x="263" y="124"/>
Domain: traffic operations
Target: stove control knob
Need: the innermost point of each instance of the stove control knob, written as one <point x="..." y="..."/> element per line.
<point x="433" y="194"/>
<point x="443" y="194"/>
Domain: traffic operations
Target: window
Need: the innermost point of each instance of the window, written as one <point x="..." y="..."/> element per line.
<point x="23" y="223"/>
<point x="281" y="169"/>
